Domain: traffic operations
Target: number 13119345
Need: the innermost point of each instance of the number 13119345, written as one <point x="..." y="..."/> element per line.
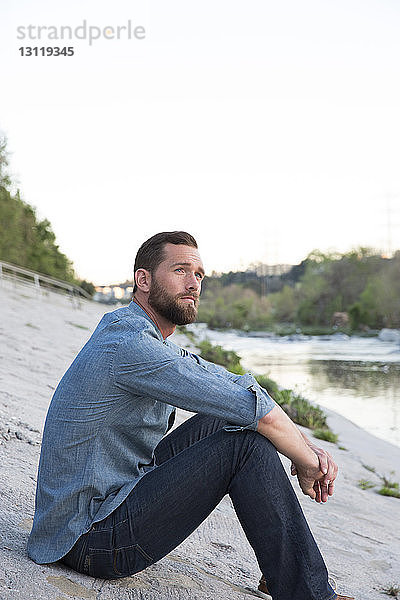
<point x="46" y="51"/>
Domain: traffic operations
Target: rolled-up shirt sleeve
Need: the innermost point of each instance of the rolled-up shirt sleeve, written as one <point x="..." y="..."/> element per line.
<point x="146" y="366"/>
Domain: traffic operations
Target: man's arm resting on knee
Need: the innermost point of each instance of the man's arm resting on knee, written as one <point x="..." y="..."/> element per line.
<point x="327" y="466"/>
<point x="288" y="440"/>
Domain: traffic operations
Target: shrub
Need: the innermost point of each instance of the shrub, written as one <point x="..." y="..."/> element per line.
<point x="269" y="384"/>
<point x="326" y="434"/>
<point x="216" y="354"/>
<point x="300" y="410"/>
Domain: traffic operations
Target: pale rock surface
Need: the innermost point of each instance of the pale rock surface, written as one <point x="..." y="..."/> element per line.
<point x="358" y="531"/>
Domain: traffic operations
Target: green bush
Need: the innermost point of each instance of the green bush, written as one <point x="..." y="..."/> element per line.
<point x="300" y="410"/>
<point x="216" y="354"/>
<point x="326" y="434"/>
<point x="268" y="384"/>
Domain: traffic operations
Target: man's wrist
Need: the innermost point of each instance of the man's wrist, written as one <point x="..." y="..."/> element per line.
<point x="310" y="460"/>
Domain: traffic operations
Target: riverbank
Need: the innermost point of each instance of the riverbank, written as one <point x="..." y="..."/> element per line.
<point x="355" y="377"/>
<point x="357" y="530"/>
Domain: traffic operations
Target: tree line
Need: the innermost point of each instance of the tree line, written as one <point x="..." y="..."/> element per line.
<point x="27" y="241"/>
<point x="361" y="286"/>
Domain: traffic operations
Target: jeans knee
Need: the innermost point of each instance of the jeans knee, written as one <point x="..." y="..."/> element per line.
<point x="251" y="442"/>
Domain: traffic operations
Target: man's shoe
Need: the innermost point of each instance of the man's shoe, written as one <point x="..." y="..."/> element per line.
<point x="264" y="593"/>
<point x="263" y="590"/>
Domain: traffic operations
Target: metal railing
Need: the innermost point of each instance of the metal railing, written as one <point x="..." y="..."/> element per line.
<point x="41" y="283"/>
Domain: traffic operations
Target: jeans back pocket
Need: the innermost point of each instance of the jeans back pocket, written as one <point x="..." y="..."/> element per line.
<point x="129" y="560"/>
<point x="100" y="563"/>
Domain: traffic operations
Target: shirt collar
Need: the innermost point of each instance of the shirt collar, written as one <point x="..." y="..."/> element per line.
<point x="138" y="311"/>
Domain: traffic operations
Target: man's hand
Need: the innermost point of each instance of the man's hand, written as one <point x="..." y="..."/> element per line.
<point x="323" y="487"/>
<point x="310" y="481"/>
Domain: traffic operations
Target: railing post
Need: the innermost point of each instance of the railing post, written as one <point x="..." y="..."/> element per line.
<point x="37" y="285"/>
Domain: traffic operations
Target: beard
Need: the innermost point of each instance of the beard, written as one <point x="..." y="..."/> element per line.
<point x="168" y="306"/>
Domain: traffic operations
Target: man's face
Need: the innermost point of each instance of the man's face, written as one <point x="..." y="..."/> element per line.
<point x="176" y="284"/>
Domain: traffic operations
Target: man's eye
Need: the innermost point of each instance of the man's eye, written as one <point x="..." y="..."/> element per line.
<point x="180" y="269"/>
<point x="199" y="276"/>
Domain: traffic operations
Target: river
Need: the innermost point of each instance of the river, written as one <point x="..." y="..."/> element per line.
<point x="357" y="377"/>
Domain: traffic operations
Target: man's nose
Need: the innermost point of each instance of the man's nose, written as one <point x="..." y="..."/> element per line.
<point x="192" y="282"/>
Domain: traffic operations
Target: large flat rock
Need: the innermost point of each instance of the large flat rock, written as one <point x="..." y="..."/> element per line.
<point x="357" y="530"/>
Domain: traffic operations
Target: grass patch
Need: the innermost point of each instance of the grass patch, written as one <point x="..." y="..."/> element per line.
<point x="389" y="488"/>
<point x="300" y="410"/>
<point x="78" y="326"/>
<point x="284" y="329"/>
<point x="370" y="469"/>
<point x="216" y="354"/>
<point x="393" y="485"/>
<point x="343" y="448"/>
<point x="268" y="384"/>
<point x="32" y="325"/>
<point x="365" y="484"/>
<point x="326" y="434"/>
<point x="385" y="491"/>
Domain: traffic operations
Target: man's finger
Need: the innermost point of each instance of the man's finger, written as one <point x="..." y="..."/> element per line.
<point x="306" y="486"/>
<point x="324" y="492"/>
<point x="312" y="493"/>
<point x="323" y="463"/>
<point x="317" y="489"/>
<point x="332" y="470"/>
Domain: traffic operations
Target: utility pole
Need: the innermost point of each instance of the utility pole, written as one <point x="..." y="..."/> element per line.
<point x="390" y="225"/>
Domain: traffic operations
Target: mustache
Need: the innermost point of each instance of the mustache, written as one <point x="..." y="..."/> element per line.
<point x="189" y="295"/>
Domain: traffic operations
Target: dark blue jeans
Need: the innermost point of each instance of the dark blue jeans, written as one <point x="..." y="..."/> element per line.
<point x="198" y="463"/>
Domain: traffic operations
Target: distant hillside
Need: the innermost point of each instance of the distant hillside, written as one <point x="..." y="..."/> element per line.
<point x="358" y="290"/>
<point x="24" y="239"/>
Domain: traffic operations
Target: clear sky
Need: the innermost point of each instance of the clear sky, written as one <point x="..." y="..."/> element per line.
<point x="265" y="128"/>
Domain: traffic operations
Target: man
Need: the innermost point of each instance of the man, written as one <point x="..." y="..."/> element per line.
<point x="116" y="494"/>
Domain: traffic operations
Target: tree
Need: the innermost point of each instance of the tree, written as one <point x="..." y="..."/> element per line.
<point x="24" y="239"/>
<point x="5" y="180"/>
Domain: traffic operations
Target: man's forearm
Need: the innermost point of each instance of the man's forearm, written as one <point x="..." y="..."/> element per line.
<point x="307" y="440"/>
<point x="287" y="438"/>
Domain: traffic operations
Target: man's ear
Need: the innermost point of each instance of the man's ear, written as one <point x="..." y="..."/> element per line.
<point x="143" y="280"/>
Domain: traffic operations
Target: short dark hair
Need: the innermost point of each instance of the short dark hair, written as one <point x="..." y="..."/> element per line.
<point x="151" y="252"/>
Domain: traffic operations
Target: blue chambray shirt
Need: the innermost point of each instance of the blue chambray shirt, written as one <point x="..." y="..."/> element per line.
<point x="109" y="412"/>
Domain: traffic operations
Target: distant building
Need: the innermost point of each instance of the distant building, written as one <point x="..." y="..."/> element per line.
<point x="114" y="293"/>
<point x="270" y="270"/>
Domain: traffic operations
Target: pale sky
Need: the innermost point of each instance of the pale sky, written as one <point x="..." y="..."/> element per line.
<point x="265" y="128"/>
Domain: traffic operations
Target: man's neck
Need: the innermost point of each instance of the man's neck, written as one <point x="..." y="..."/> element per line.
<point x="166" y="327"/>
